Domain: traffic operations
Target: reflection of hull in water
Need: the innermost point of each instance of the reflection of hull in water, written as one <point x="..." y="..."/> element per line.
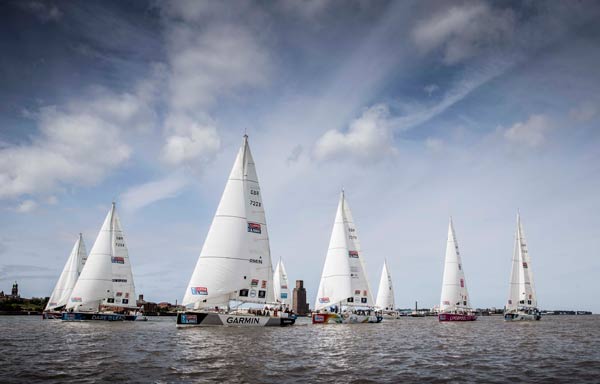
<point x="345" y="318"/>
<point x="456" y="317"/>
<point x="90" y="316"/>
<point x="521" y="316"/>
<point x="206" y="319"/>
<point x="51" y="316"/>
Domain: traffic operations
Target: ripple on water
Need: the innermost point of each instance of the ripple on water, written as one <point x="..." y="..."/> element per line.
<point x="557" y="349"/>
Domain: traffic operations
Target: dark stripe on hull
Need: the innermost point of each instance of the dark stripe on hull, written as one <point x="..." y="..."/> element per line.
<point x="51" y="316"/>
<point x="83" y="316"/>
<point x="456" y="317"/>
<point x="204" y="319"/>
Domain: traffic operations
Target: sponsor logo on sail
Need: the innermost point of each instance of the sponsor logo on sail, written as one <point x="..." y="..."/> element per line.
<point x="119" y="280"/>
<point x="254" y="227"/>
<point x="262" y="294"/>
<point x="323" y="300"/>
<point x="364" y="293"/>
<point x="448" y="303"/>
<point x="363" y="300"/>
<point x="199" y="290"/>
<point x="254" y="282"/>
<point x="462" y="283"/>
<point x="256" y="261"/>
<point x="125" y="301"/>
<point x="117" y="260"/>
<point x="253" y="293"/>
<point x="243" y="320"/>
<point x="353" y="254"/>
<point x="76" y="299"/>
<point x="284" y="295"/>
<point x="509" y="301"/>
<point x="284" y="286"/>
<point x="524" y="265"/>
<point x="119" y="294"/>
<point x="357" y="291"/>
<point x="263" y="284"/>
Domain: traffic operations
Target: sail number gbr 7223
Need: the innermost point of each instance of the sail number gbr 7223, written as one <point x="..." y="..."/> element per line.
<point x="254" y="203"/>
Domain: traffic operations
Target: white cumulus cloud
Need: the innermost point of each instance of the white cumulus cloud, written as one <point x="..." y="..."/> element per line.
<point x="26" y="206"/>
<point x="140" y="196"/>
<point x="369" y="138"/>
<point x="531" y="132"/>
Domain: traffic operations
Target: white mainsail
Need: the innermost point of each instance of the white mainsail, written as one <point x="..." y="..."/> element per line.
<point x="106" y="278"/>
<point x="344" y="280"/>
<point x="385" y="294"/>
<point x="522" y="290"/>
<point x="454" y="286"/>
<point x="235" y="261"/>
<point x="280" y="285"/>
<point x="68" y="277"/>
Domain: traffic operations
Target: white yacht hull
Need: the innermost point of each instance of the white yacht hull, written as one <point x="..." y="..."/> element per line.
<point x="209" y="319"/>
<point x="521" y="316"/>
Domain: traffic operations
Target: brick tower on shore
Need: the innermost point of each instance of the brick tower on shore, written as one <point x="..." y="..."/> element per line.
<point x="300" y="306"/>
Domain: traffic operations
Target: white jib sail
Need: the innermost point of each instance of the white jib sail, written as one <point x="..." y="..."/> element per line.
<point x="385" y="294"/>
<point x="106" y="278"/>
<point x="454" y="286"/>
<point x="68" y="277"/>
<point x="362" y="295"/>
<point x="280" y="285"/>
<point x="522" y="289"/>
<point x="344" y="280"/>
<point x="235" y="261"/>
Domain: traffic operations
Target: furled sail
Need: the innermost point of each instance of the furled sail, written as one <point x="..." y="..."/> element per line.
<point x="385" y="294"/>
<point x="106" y="278"/>
<point x="68" y="277"/>
<point x="280" y="285"/>
<point x="344" y="280"/>
<point x="454" y="286"/>
<point x="235" y="261"/>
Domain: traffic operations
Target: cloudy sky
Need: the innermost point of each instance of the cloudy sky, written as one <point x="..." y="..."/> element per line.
<point x="420" y="110"/>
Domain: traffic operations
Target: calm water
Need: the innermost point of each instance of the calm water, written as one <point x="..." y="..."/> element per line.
<point x="560" y="348"/>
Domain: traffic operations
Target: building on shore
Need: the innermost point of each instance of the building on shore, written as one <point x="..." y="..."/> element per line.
<point x="299" y="305"/>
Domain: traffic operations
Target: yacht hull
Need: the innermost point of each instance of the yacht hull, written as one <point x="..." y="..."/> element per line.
<point x="456" y="317"/>
<point x="521" y="316"/>
<point x="89" y="316"/>
<point x="208" y="319"/>
<point x="346" y="318"/>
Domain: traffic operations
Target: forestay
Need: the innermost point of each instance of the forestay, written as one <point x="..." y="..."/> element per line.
<point x="235" y="261"/>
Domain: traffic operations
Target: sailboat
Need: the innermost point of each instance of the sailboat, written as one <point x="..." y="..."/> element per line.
<point x="522" y="300"/>
<point x="105" y="289"/>
<point x="385" y="294"/>
<point x="454" y="303"/>
<point x="64" y="286"/>
<point x="280" y="285"/>
<point x="234" y="269"/>
<point x="344" y="294"/>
